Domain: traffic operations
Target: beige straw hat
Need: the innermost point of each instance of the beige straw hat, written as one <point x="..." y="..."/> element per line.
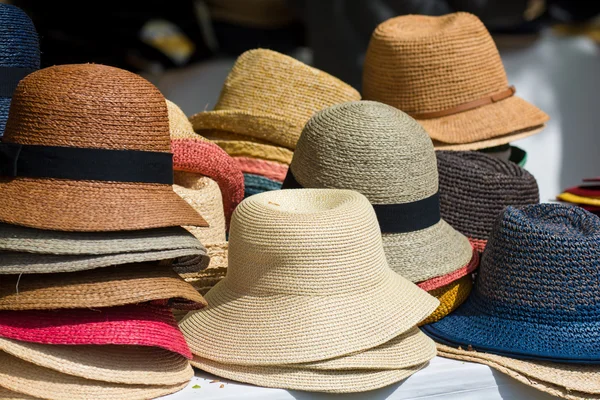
<point x="33" y="251"/>
<point x="305" y="268"/>
<point x="386" y="155"/>
<point x="446" y="73"/>
<point x="270" y="96"/>
<point x="179" y="125"/>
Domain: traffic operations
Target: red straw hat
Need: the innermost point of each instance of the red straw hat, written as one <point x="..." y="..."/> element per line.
<point x="139" y="325"/>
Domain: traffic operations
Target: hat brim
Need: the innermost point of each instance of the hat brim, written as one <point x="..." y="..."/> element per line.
<point x="441" y="281"/>
<point x="241" y="148"/>
<point x="491" y="125"/>
<point x="203" y="280"/>
<point x="281" y="329"/>
<point x="451" y="297"/>
<point x="92" y="206"/>
<point x="269" y="169"/>
<point x="339" y="381"/>
<point x="254" y="184"/>
<point x="563" y="380"/>
<point x="427" y="253"/>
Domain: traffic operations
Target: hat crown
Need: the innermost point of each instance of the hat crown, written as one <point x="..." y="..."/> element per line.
<point x="19" y="44"/>
<point x="305" y="242"/>
<point x="88" y="106"/>
<point x="369" y="147"/>
<point x="541" y="265"/>
<point x="180" y="126"/>
<point x="423" y="64"/>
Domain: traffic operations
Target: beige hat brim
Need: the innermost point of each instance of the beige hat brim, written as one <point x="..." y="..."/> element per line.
<point x="240" y="148"/>
<point x="132" y="365"/>
<point x="427" y="253"/>
<point x="484" y="144"/>
<point x="350" y="381"/>
<point x="571" y="381"/>
<point x="283" y="329"/>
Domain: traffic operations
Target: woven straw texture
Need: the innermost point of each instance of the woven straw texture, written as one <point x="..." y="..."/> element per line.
<point x="305" y="268"/>
<point x="254" y="184"/>
<point x="384" y="154"/>
<point x="179" y="125"/>
<point x="133" y="365"/>
<point x="476" y="187"/>
<point x="23" y="377"/>
<point x="270" y="96"/>
<point x="535" y="291"/>
<point x="19" y="47"/>
<point x="563" y="380"/>
<point x="29" y="251"/>
<point x="112" y="286"/>
<point x="484" y="144"/>
<point x="139" y="325"/>
<point x="256" y="150"/>
<point x="443" y="280"/>
<point x="478" y="245"/>
<point x="90" y="106"/>
<point x="269" y="169"/>
<point x="422" y="64"/>
<point x="451" y="297"/>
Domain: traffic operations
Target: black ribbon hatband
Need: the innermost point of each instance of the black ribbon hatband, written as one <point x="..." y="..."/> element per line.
<point x="395" y="218"/>
<point x="75" y="163"/>
<point x="10" y="78"/>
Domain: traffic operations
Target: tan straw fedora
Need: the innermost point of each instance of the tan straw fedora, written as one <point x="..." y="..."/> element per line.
<point x="305" y="268"/>
<point x="87" y="148"/>
<point x="270" y="96"/>
<point x="386" y="155"/>
<point x="446" y="73"/>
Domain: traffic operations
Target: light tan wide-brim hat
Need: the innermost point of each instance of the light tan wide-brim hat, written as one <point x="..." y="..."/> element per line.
<point x="446" y="72"/>
<point x="305" y="268"/>
<point x="569" y="381"/>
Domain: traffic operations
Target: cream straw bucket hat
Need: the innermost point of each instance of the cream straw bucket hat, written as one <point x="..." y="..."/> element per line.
<point x="305" y="268"/>
<point x="386" y="155"/>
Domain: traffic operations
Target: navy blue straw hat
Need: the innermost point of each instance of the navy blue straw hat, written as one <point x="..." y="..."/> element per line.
<point x="19" y="54"/>
<point x="254" y="184"/>
<point x="537" y="294"/>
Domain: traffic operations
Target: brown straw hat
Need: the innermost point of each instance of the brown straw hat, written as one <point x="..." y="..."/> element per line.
<point x="446" y="73"/>
<point x="270" y="96"/>
<point x="106" y="287"/>
<point x="36" y="251"/>
<point x="305" y="268"/>
<point x="87" y="148"/>
<point x="386" y="155"/>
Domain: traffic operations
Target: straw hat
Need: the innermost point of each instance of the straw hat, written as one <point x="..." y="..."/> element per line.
<point x="384" y="154"/>
<point x="134" y="325"/>
<point x="475" y="188"/>
<point x="32" y="251"/>
<point x="443" y="280"/>
<point x="447" y="74"/>
<point x="305" y="268"/>
<point x="261" y="151"/>
<point x="254" y="184"/>
<point x="19" y="54"/>
<point x="573" y="198"/>
<point x="270" y="96"/>
<point x="269" y="169"/>
<point x="111" y="167"/>
<point x="451" y="297"/>
<point x="536" y="283"/>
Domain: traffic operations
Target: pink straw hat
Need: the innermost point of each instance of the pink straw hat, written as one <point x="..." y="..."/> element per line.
<point x="139" y="325"/>
<point x="440" y="281"/>
<point x="269" y="169"/>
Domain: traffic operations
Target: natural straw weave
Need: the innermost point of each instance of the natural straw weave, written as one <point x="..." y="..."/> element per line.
<point x="270" y="96"/>
<point x="386" y="155"/>
<point x="305" y="268"/>
<point x="451" y="297"/>
<point x="90" y="106"/>
<point x="23" y="377"/>
<point x="112" y="286"/>
<point x="269" y="169"/>
<point x="256" y="150"/>
<point x="423" y="64"/>
<point x="476" y="187"/>
<point x="133" y="365"/>
<point x="254" y="184"/>
<point x="443" y="280"/>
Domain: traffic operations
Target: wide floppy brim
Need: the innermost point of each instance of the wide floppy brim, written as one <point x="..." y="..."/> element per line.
<point x="487" y="126"/>
<point x="285" y="329"/>
<point x="92" y="206"/>
<point x="111" y="286"/>
<point x="427" y="253"/>
<point x="132" y="365"/>
<point x="564" y="380"/>
<point x="441" y="281"/>
<point x="22" y="377"/>
<point x="451" y="297"/>
<point x="240" y="148"/>
<point x="335" y="381"/>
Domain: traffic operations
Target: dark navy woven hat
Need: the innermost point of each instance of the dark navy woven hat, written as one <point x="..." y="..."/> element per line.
<point x="254" y="184"/>
<point x="19" y="54"/>
<point x="537" y="294"/>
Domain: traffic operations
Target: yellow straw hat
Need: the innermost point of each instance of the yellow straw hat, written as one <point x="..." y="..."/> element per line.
<point x="450" y="296"/>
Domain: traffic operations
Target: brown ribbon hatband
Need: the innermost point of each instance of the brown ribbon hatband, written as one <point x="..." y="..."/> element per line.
<point x="484" y="101"/>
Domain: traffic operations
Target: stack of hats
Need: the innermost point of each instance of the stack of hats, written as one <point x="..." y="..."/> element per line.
<point x="212" y="183"/>
<point x="19" y="54"/>
<point x="265" y="102"/>
<point x="91" y="231"/>
<point x="586" y="195"/>
<point x="386" y="155"/>
<point x="475" y="188"/>
<point x="309" y="301"/>
<point x="446" y="73"/>
<point x="535" y="311"/>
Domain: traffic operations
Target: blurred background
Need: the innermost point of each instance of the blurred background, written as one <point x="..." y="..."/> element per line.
<point x="550" y="48"/>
